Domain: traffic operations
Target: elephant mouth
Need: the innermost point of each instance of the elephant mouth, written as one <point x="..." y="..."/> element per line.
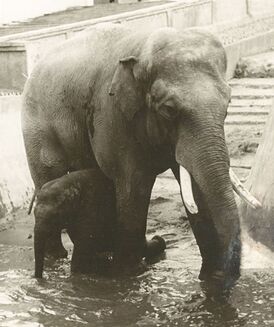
<point x="238" y="187"/>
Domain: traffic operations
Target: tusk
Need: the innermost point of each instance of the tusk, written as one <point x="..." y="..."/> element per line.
<point x="186" y="189"/>
<point x="242" y="191"/>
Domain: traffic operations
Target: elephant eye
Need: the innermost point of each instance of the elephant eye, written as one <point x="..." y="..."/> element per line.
<point x="168" y="111"/>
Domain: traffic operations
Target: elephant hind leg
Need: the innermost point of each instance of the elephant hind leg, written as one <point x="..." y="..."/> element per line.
<point x="47" y="161"/>
<point x="46" y="157"/>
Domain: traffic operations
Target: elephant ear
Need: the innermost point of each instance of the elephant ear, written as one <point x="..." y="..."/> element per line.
<point x="156" y="129"/>
<point x="124" y="87"/>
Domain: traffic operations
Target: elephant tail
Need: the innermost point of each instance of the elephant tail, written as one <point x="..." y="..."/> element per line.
<point x="32" y="202"/>
<point x="40" y="238"/>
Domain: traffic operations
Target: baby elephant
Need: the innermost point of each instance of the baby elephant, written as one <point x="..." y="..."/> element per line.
<point x="83" y="202"/>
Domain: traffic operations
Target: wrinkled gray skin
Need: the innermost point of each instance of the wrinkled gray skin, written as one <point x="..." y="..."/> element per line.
<point x="83" y="202"/>
<point x="136" y="104"/>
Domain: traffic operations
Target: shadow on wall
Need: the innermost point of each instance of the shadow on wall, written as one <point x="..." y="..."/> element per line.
<point x="15" y="180"/>
<point x="259" y="223"/>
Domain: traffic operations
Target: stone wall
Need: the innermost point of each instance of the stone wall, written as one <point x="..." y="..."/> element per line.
<point x="14" y="10"/>
<point x="13" y="66"/>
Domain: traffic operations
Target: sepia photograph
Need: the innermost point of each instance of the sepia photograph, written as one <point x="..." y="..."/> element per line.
<point x="137" y="163"/>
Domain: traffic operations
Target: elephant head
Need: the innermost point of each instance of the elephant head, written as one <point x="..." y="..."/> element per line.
<point x="174" y="86"/>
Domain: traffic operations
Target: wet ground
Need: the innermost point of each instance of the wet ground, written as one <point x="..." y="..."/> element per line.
<point x="167" y="294"/>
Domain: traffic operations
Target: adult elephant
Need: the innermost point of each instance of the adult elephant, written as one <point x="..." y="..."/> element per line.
<point x="136" y="104"/>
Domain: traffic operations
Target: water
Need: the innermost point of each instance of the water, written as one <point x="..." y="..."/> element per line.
<point x="167" y="294"/>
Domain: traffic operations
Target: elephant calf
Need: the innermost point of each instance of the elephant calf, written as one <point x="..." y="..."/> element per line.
<point x="83" y="203"/>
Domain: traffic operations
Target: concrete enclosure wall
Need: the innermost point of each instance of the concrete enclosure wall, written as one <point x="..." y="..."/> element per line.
<point x="14" y="10"/>
<point x="224" y="10"/>
<point x="13" y="66"/>
<point x="260" y="7"/>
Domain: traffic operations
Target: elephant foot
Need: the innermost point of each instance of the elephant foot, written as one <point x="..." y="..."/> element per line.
<point x="105" y="263"/>
<point x="222" y="267"/>
<point x="134" y="265"/>
<point x="218" y="278"/>
<point x="100" y="263"/>
<point x="155" y="247"/>
<point x="54" y="246"/>
<point x="217" y="283"/>
<point x="56" y="252"/>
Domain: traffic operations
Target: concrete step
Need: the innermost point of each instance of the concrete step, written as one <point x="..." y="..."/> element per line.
<point x="245" y="120"/>
<point x="251" y="93"/>
<point x="264" y="103"/>
<point x="261" y="83"/>
<point x="248" y="110"/>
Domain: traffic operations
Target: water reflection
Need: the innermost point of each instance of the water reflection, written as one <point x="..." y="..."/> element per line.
<point x="167" y="294"/>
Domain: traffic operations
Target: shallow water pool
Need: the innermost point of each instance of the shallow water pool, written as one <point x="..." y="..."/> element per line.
<point x="167" y="294"/>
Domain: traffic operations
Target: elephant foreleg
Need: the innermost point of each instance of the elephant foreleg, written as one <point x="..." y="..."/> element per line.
<point x="132" y="201"/>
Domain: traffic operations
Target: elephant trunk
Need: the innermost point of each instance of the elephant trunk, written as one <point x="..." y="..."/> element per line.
<point x="213" y="195"/>
<point x="213" y="180"/>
